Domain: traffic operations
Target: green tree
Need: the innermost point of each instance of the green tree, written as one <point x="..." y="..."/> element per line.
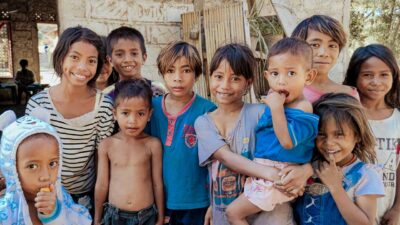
<point x="375" y="21"/>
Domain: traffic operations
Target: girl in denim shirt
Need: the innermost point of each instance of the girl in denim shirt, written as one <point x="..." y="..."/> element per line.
<point x="345" y="187"/>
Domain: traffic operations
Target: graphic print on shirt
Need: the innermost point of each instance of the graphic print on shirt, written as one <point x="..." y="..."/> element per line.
<point x="390" y="149"/>
<point x="190" y="136"/>
<point x="228" y="184"/>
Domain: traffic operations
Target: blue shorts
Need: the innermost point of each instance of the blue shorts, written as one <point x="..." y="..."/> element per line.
<point x="186" y="217"/>
<point x="115" y="216"/>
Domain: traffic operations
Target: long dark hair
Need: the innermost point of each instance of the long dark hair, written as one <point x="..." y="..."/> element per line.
<point x="383" y="53"/>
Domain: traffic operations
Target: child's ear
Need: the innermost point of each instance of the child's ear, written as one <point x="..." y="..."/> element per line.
<point x="114" y="114"/>
<point x="108" y="58"/>
<point x="311" y="74"/>
<point x="144" y="57"/>
<point x="266" y="74"/>
<point x="150" y="113"/>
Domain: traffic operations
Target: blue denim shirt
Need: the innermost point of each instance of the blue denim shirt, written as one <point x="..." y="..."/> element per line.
<point x="317" y="206"/>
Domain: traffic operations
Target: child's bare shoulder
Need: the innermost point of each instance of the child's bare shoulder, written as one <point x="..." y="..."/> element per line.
<point x="153" y="144"/>
<point x="108" y="142"/>
<point x="305" y="106"/>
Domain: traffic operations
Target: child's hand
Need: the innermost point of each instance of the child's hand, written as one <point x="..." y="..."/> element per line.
<point x="294" y="178"/>
<point x="391" y="217"/>
<point x="208" y="217"/>
<point x="274" y="99"/>
<point x="329" y="174"/>
<point x="272" y="174"/>
<point x="45" y="202"/>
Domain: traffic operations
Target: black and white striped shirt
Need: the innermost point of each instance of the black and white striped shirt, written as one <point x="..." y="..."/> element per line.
<point x="80" y="137"/>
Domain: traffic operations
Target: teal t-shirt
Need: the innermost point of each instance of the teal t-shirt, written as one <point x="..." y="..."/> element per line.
<point x="185" y="182"/>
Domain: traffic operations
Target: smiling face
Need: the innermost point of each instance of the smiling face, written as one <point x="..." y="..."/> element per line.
<point x="325" y="51"/>
<point x="127" y="58"/>
<point x="105" y="73"/>
<point x="180" y="78"/>
<point x="132" y="115"/>
<point x="337" y="141"/>
<point x="288" y="74"/>
<point x="80" y="64"/>
<point x="374" y="80"/>
<point x="37" y="164"/>
<point x="226" y="86"/>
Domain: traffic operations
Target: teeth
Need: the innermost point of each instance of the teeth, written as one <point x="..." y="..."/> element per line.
<point x="223" y="94"/>
<point x="128" y="67"/>
<point x="80" y="77"/>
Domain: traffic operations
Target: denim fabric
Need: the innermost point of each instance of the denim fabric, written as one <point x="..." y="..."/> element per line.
<point x="186" y="217"/>
<point x="317" y="205"/>
<point x="115" y="216"/>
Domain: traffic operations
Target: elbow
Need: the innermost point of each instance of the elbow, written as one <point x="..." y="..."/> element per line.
<point x="287" y="145"/>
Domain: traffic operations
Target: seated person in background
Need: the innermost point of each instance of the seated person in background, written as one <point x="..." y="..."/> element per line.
<point x="23" y="78"/>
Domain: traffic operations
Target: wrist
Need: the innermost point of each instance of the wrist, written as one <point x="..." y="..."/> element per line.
<point x="52" y="216"/>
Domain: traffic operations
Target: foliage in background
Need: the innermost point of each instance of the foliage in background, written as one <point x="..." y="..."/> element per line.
<point x="375" y="21"/>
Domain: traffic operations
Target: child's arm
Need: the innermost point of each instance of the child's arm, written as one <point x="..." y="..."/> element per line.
<point x="156" y="168"/>
<point x="275" y="102"/>
<point x="392" y="216"/>
<point x="245" y="166"/>
<point x="360" y="212"/>
<point x="102" y="182"/>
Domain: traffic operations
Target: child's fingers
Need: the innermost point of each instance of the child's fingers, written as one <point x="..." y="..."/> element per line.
<point x="332" y="160"/>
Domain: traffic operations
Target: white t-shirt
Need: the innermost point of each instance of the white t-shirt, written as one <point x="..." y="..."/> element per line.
<point x="387" y="136"/>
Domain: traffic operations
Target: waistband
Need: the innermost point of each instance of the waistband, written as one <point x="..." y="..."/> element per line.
<point x="126" y="213"/>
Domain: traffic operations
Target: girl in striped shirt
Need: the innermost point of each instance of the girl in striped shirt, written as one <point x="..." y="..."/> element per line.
<point x="81" y="114"/>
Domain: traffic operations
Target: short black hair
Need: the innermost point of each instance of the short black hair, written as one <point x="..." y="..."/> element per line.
<point x="68" y="38"/>
<point x="125" y="33"/>
<point x="294" y="46"/>
<point x="23" y="63"/>
<point x="133" y="88"/>
<point x="240" y="58"/>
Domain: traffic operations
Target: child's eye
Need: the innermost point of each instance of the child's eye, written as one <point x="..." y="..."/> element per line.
<point x="367" y="75"/>
<point x="217" y="76"/>
<point x="118" y="54"/>
<point x="333" y="46"/>
<point x="187" y="71"/>
<point x="340" y="135"/>
<point x="236" y="78"/>
<point x="291" y="73"/>
<point x="170" y="71"/>
<point x="53" y="164"/>
<point x="93" y="61"/>
<point x="314" y="45"/>
<point x="32" y="166"/>
<point x="134" y="53"/>
<point x="385" y="74"/>
<point x="124" y="113"/>
<point x="274" y="74"/>
<point x="74" y="57"/>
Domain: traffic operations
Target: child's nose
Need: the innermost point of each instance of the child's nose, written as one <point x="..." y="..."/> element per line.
<point x="321" y="51"/>
<point x="82" y="66"/>
<point x="45" y="175"/>
<point x="177" y="76"/>
<point x="281" y="80"/>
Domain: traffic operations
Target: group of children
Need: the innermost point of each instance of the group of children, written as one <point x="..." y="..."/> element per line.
<point x="307" y="155"/>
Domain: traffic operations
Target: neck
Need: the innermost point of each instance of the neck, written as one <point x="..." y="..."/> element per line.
<point x="230" y="108"/>
<point x="122" y="77"/>
<point x="371" y="104"/>
<point x="180" y="100"/>
<point x="101" y="86"/>
<point x="348" y="162"/>
<point x="321" y="79"/>
<point x="73" y="92"/>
